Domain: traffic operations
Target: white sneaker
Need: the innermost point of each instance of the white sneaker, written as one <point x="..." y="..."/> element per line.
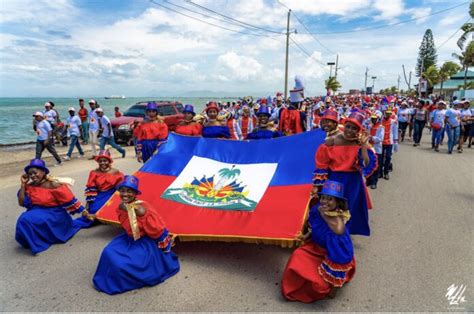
<point x="58" y="164"/>
<point x="80" y="156"/>
<point x="67" y="158"/>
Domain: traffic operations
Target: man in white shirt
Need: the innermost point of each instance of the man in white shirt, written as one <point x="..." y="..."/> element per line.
<point x="93" y="128"/>
<point x="43" y="140"/>
<point x="107" y="134"/>
<point x="74" y="130"/>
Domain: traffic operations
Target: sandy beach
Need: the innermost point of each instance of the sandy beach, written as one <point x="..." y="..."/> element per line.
<point x="421" y="243"/>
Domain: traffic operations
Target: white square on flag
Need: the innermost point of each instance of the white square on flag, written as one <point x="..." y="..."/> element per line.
<point x="213" y="184"/>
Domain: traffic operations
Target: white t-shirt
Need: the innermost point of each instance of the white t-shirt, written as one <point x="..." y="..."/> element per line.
<point x="108" y="132"/>
<point x="50" y="116"/>
<point x="73" y="124"/>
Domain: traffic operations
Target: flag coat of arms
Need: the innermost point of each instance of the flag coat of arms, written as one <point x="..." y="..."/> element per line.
<point x="224" y="190"/>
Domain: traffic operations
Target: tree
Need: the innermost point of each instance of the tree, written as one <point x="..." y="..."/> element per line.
<point x="467" y="28"/>
<point x="431" y="75"/>
<point x="332" y="84"/>
<point x="447" y="70"/>
<point x="466" y="58"/>
<point x="427" y="55"/>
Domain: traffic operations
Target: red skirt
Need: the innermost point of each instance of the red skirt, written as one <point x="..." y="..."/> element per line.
<point x="302" y="280"/>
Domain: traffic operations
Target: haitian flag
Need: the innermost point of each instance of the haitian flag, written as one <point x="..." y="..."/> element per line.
<point x="224" y="190"/>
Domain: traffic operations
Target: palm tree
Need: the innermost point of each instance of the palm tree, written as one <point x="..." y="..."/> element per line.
<point x="466" y="58"/>
<point x="225" y="175"/>
<point x="332" y="84"/>
<point x="431" y="75"/>
<point x="467" y="28"/>
<point x="447" y="70"/>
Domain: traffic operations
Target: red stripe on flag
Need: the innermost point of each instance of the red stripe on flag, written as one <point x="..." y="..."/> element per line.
<point x="280" y="213"/>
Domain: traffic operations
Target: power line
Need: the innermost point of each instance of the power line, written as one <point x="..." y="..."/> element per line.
<point x="208" y="23"/>
<point x="300" y="47"/>
<point x="235" y="20"/>
<point x="392" y="24"/>
<point x="457" y="31"/>
<point x="309" y="32"/>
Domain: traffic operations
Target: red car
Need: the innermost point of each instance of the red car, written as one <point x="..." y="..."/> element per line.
<point x="122" y="126"/>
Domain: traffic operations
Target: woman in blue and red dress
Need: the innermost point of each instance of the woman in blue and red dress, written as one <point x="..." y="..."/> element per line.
<point x="214" y="127"/>
<point x="150" y="133"/>
<point x="346" y="158"/>
<point x="100" y="187"/>
<point x="49" y="205"/>
<point x="141" y="256"/>
<point x="188" y="126"/>
<point x="264" y="129"/>
<point x="325" y="262"/>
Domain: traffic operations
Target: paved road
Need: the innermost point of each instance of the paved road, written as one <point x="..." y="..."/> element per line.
<point x="422" y="242"/>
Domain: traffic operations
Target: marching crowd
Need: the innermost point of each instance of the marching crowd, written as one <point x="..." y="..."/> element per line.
<point x="362" y="133"/>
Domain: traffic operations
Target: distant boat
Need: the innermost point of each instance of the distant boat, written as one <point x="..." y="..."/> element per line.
<point x="115" y="97"/>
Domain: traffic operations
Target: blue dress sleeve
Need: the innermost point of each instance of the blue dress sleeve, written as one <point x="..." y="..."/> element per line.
<point x="26" y="201"/>
<point x="372" y="166"/>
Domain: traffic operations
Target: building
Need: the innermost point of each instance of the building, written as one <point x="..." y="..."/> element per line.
<point x="452" y="87"/>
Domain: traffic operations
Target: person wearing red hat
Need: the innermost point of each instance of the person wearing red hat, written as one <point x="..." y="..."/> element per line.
<point x="101" y="185"/>
<point x="150" y="133"/>
<point x="188" y="126"/>
<point x="141" y="256"/>
<point x="347" y="158"/>
<point x="214" y="127"/>
<point x="329" y="122"/>
<point x="325" y="262"/>
<point x="389" y="143"/>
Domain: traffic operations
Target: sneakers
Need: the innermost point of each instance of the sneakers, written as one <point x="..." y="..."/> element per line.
<point x="80" y="156"/>
<point x="58" y="164"/>
<point x="373" y="186"/>
<point x="123" y="154"/>
<point x="386" y="177"/>
<point x="67" y="158"/>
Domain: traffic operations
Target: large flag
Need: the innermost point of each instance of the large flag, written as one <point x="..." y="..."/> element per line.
<point x="223" y="190"/>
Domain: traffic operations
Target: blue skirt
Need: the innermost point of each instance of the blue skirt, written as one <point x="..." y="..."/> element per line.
<point x="100" y="200"/>
<point x="148" y="148"/>
<point x="126" y="265"/>
<point x="354" y="191"/>
<point x="40" y="227"/>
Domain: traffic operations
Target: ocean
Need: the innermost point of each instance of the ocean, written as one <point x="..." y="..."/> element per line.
<point x="16" y="113"/>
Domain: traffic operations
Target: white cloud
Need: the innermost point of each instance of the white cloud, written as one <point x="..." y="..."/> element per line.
<point x="238" y="66"/>
<point x="388" y="9"/>
<point x="315" y="7"/>
<point x="419" y="13"/>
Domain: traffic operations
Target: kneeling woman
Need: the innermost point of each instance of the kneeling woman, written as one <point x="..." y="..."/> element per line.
<point x="142" y="255"/>
<point x="100" y="187"/>
<point x="325" y="262"/>
<point x="49" y="205"/>
<point x="265" y="129"/>
<point x="213" y="127"/>
<point x="188" y="126"/>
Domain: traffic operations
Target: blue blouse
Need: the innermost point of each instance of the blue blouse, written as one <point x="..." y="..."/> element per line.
<point x="216" y="131"/>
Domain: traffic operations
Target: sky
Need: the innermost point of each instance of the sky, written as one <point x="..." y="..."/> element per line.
<point x="77" y="48"/>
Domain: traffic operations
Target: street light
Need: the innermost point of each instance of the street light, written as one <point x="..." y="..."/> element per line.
<point x="373" y="83"/>
<point x="330" y="68"/>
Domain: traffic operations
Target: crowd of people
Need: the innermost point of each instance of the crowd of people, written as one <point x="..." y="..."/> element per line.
<point x="362" y="133"/>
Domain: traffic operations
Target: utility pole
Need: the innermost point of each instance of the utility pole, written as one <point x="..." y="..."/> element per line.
<point x="286" y="61"/>
<point x="330" y="68"/>
<point x="398" y="83"/>
<point x="365" y="84"/>
<point x="373" y="83"/>
<point x="337" y="59"/>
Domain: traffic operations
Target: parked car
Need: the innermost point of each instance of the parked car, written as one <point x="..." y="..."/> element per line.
<point x="122" y="126"/>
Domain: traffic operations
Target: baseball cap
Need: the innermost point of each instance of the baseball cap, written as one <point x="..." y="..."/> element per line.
<point x="92" y="101"/>
<point x="99" y="110"/>
<point x="38" y="113"/>
<point x="47" y="104"/>
<point x="71" y="109"/>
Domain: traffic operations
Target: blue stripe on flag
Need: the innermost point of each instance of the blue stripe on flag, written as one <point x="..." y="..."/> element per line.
<point x="294" y="155"/>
